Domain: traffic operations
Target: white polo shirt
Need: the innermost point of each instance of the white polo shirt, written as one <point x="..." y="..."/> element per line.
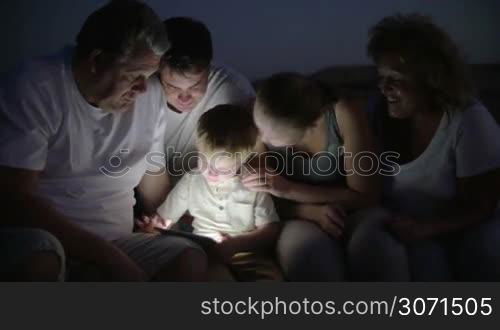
<point x="46" y="125"/>
<point x="227" y="207"/>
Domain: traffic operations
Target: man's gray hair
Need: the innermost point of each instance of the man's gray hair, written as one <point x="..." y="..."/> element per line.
<point x="120" y="27"/>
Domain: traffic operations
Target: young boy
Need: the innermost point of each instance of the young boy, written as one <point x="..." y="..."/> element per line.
<point x="240" y="221"/>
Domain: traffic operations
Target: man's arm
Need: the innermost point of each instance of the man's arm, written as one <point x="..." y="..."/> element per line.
<point x="152" y="191"/>
<point x="177" y="202"/>
<point x="22" y="208"/>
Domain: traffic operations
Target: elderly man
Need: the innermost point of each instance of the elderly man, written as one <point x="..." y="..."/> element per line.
<point x="76" y="128"/>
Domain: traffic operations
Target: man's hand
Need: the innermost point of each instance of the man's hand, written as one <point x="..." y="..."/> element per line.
<point x="150" y="224"/>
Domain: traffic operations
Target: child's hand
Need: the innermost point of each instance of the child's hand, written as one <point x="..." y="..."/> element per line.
<point x="226" y="248"/>
<point x="150" y="224"/>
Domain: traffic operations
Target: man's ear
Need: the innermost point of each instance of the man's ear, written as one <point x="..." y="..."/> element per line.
<point x="94" y="60"/>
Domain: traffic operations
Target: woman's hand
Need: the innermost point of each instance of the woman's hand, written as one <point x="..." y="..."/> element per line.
<point x="267" y="181"/>
<point x="409" y="230"/>
<point x="150" y="224"/>
<point x="330" y="217"/>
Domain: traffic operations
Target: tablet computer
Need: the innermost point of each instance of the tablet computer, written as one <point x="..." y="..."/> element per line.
<point x="203" y="241"/>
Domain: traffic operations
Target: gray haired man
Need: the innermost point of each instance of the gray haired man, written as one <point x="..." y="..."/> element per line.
<point x="76" y="128"/>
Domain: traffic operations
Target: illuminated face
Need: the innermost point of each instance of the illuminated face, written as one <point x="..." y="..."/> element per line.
<point x="397" y="87"/>
<point x="184" y="90"/>
<point x="218" y="167"/>
<point x="274" y="133"/>
<point x="117" y="87"/>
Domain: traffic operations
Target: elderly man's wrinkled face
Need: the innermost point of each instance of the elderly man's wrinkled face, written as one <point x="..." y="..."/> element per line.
<point x="184" y="90"/>
<point x="118" y="85"/>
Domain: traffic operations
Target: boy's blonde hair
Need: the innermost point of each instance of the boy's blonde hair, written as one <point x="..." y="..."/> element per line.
<point x="227" y="128"/>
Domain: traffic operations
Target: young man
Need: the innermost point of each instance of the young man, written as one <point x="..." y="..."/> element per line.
<point x="193" y="85"/>
<point x="75" y="130"/>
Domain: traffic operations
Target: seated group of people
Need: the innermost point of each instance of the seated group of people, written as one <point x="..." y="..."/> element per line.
<point x="132" y="156"/>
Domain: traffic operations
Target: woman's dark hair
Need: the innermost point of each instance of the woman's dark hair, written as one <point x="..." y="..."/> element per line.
<point x="293" y="99"/>
<point x="430" y="56"/>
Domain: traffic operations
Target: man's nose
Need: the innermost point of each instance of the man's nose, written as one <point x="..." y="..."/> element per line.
<point x="184" y="97"/>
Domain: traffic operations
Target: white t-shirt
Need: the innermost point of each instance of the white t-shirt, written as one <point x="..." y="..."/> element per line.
<point x="465" y="144"/>
<point x="227" y="207"/>
<point x="46" y="125"/>
<point x="225" y="86"/>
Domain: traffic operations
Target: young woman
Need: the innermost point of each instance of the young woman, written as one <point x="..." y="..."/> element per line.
<point x="317" y="174"/>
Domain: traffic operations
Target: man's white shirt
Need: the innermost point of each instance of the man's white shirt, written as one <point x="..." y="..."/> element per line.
<point x="89" y="160"/>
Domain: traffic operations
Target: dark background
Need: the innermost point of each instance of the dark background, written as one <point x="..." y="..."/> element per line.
<point x="262" y="37"/>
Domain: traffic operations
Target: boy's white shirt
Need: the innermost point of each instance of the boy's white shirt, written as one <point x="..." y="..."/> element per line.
<point x="227" y="207"/>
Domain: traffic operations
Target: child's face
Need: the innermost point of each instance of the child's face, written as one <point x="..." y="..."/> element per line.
<point x="218" y="167"/>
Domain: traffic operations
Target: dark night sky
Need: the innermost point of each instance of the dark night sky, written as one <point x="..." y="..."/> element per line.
<point x="261" y="37"/>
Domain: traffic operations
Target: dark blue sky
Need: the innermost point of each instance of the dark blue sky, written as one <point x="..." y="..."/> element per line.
<point x="261" y="37"/>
